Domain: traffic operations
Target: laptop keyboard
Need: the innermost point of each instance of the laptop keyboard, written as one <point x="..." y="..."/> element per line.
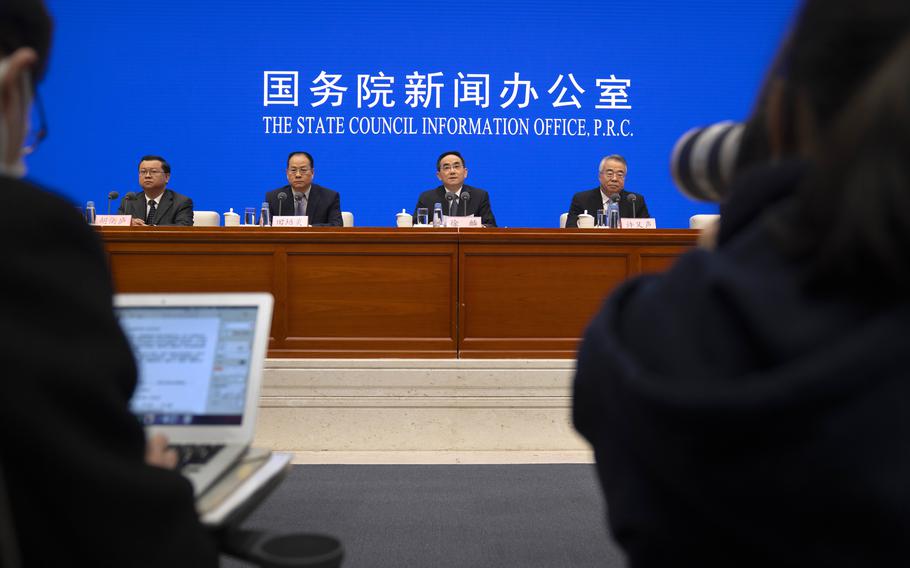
<point x="195" y="454"/>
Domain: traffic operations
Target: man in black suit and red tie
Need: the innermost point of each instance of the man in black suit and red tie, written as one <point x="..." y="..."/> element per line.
<point x="155" y="204"/>
<point x="612" y="175"/>
<point x="321" y="205"/>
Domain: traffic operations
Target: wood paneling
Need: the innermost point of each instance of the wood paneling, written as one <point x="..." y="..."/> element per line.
<point x="377" y="292"/>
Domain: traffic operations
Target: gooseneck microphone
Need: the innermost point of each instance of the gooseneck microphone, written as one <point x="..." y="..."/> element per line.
<point x="632" y="198"/>
<point x="110" y="197"/>
<point x="298" y="197"/>
<point x="281" y="197"/>
<point x="450" y="197"/>
<point x="465" y="197"/>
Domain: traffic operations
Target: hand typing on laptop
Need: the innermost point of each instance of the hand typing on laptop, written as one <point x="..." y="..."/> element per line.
<point x="158" y="454"/>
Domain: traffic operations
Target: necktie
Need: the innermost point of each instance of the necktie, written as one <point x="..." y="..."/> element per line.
<point x="150" y="219"/>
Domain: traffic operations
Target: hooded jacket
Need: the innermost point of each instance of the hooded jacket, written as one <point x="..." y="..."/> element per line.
<point x="739" y="419"/>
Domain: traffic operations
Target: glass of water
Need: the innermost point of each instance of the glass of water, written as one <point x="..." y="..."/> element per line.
<point x="601" y="218"/>
<point x="423" y="216"/>
<point x="249" y="216"/>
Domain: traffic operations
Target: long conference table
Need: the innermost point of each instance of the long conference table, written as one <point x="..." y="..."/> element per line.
<point x="363" y="292"/>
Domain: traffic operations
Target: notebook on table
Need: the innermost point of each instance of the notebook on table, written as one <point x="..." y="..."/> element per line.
<point x="200" y="359"/>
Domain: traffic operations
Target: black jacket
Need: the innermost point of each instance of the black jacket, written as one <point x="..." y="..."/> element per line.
<point x="173" y="209"/>
<point x="740" y="420"/>
<point x="72" y="454"/>
<point x="592" y="200"/>
<point x="323" y="205"/>
<point x="478" y="204"/>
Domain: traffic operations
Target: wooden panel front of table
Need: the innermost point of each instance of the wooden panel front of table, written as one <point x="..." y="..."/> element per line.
<point x="386" y="292"/>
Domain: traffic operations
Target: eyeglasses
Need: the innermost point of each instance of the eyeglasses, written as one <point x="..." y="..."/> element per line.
<point x="37" y="129"/>
<point x="302" y="171"/>
<point x="450" y="167"/>
<point x="145" y="172"/>
<point x="610" y="174"/>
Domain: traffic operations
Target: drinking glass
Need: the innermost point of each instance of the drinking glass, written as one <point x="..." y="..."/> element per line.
<point x="423" y="216"/>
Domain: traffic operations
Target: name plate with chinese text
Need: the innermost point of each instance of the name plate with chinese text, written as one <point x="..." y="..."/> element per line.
<point x="113" y="220"/>
<point x="468" y="221"/>
<point x="648" y="223"/>
<point x="290" y="221"/>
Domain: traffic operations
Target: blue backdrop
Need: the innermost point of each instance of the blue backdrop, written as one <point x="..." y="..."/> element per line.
<point x="206" y="85"/>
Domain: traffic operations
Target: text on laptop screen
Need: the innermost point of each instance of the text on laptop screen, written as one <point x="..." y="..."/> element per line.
<point x="194" y="362"/>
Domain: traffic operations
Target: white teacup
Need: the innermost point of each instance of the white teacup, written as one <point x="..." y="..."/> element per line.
<point x="585" y="221"/>
<point x="404" y="219"/>
<point x="231" y="219"/>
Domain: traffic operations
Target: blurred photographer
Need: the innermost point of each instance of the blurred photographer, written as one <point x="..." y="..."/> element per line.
<point x="82" y="486"/>
<point x="749" y="406"/>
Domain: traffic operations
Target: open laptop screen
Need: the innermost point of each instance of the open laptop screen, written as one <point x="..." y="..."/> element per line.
<point x="194" y="362"/>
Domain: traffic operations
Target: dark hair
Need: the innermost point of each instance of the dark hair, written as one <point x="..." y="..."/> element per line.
<point x="854" y="208"/>
<point x="26" y="23"/>
<point x="165" y="167"/>
<point x="301" y="152"/>
<point x="848" y="223"/>
<point x="450" y="153"/>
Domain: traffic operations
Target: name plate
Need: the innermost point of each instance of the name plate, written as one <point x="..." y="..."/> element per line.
<point x="469" y="221"/>
<point x="648" y="223"/>
<point x="114" y="220"/>
<point x="290" y="221"/>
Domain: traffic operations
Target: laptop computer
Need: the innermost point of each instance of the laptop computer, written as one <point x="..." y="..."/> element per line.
<point x="200" y="359"/>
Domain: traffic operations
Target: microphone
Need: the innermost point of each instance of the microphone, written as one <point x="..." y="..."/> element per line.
<point x="298" y="197"/>
<point x="281" y="197"/>
<point x="465" y="197"/>
<point x="110" y="197"/>
<point x="632" y="198"/>
<point x="450" y="197"/>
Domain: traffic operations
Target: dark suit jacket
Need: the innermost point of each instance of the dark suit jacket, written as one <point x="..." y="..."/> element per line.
<point x="591" y="201"/>
<point x="173" y="209"/>
<point x="72" y="453"/>
<point x="323" y="207"/>
<point x="478" y="205"/>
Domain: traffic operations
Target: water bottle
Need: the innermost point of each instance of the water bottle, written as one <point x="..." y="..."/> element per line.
<point x="613" y="215"/>
<point x="90" y="212"/>
<point x="264" y="215"/>
<point x="437" y="215"/>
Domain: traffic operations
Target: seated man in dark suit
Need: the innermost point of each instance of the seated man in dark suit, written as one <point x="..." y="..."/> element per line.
<point x="612" y="175"/>
<point x="451" y="171"/>
<point x="321" y="205"/>
<point x="156" y="205"/>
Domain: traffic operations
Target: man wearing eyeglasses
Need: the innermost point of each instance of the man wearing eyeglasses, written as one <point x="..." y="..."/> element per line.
<point x="452" y="171"/>
<point x="321" y="205"/>
<point x="612" y="175"/>
<point x="156" y="205"/>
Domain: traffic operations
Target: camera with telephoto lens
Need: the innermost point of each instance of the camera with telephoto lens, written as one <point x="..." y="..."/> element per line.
<point x="704" y="159"/>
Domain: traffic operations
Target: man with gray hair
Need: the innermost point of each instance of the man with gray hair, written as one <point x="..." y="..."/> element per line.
<point x="612" y="175"/>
